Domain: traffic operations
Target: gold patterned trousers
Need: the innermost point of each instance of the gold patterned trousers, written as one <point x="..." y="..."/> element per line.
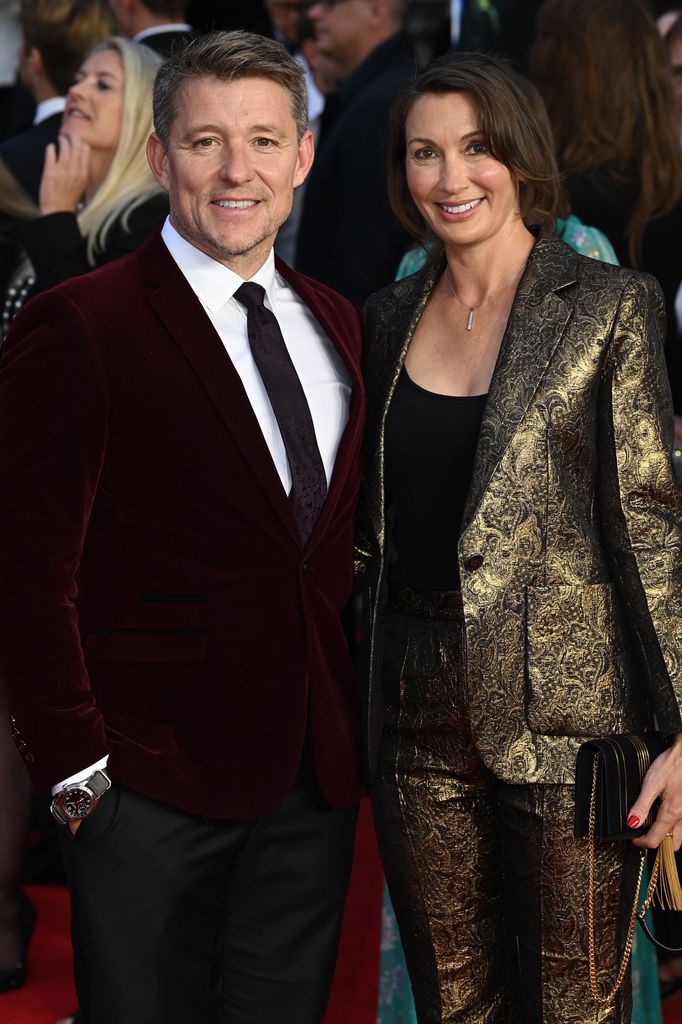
<point x="487" y="880"/>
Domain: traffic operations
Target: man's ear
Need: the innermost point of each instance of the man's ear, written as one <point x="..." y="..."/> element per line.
<point x="158" y="160"/>
<point x="306" y="153"/>
<point x="32" y="68"/>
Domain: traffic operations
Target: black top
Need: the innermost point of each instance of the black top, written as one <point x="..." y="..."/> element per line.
<point x="430" y="443"/>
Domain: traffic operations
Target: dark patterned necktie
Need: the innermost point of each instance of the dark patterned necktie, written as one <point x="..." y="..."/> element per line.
<point x="289" y="404"/>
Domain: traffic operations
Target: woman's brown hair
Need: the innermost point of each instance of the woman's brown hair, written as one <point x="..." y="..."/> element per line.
<point x="513" y="133"/>
<point x="603" y="72"/>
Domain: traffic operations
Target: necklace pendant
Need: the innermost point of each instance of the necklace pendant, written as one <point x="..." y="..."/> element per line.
<point x="470" y="318"/>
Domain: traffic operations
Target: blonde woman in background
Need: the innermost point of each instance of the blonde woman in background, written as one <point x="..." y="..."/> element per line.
<point x="98" y="199"/>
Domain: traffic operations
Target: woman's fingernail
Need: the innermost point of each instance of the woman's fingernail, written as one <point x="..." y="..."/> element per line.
<point x="633" y="821"/>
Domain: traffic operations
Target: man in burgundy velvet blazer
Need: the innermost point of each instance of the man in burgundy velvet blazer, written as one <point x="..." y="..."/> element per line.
<point x="162" y="624"/>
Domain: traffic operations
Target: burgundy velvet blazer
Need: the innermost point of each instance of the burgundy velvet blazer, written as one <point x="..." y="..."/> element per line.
<point x="156" y="602"/>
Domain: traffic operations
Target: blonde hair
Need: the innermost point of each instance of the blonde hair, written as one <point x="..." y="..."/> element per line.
<point x="129" y="180"/>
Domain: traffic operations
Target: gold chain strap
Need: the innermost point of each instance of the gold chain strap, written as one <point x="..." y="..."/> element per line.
<point x="601" y="997"/>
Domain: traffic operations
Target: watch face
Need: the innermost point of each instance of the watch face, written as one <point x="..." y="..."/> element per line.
<point x="77" y="803"/>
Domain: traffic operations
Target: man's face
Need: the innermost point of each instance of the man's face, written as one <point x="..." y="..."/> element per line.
<point x="232" y="162"/>
<point x="122" y="16"/>
<point x="285" y="16"/>
<point x="341" y="29"/>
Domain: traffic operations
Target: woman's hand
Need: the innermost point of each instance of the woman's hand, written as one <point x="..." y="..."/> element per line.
<point x="663" y="780"/>
<point x="65" y="175"/>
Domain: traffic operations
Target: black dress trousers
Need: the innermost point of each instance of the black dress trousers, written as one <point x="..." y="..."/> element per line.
<point x="179" y="919"/>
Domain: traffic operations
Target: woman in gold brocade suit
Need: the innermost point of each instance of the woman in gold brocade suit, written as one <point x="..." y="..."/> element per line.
<point x="521" y="549"/>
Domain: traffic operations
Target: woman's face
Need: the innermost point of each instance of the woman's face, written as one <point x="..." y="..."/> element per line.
<point x="94" y="104"/>
<point x="464" y="194"/>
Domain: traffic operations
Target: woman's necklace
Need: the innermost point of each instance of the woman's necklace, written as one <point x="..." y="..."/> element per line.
<point x="473" y="308"/>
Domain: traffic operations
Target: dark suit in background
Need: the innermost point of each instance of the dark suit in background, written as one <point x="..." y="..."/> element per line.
<point x="165" y="43"/>
<point x="348" y="236"/>
<point x="24" y="154"/>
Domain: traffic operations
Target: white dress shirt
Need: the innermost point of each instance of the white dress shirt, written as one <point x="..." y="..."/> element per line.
<point x="456" y="12"/>
<point x="321" y="370"/>
<point x="158" y="30"/>
<point x="46" y="108"/>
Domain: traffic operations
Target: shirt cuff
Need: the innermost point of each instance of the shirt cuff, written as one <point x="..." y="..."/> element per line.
<point x="81" y="776"/>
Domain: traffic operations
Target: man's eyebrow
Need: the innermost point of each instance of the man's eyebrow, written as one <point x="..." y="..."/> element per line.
<point x="266" y="129"/>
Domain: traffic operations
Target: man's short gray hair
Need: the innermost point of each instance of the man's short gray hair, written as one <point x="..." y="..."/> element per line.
<point x="228" y="56"/>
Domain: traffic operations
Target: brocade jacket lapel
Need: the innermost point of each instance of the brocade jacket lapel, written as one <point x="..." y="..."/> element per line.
<point x="536" y="324"/>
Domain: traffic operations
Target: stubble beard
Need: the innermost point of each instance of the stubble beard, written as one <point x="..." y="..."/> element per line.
<point x="197" y="235"/>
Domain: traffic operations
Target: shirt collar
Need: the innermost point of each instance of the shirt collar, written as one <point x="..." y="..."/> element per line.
<point x="46" y="108"/>
<point x="213" y="283"/>
<point x="157" y="30"/>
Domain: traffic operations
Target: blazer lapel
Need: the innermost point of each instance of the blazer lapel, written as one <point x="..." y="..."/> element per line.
<point x="327" y="315"/>
<point x="186" y="320"/>
<point x="536" y="324"/>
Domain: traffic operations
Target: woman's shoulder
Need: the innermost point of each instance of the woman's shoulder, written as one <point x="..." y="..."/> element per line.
<point x="594" y="272"/>
<point x="554" y="259"/>
<point x="400" y="294"/>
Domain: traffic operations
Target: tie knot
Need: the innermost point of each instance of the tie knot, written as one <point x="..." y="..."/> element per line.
<point x="250" y="295"/>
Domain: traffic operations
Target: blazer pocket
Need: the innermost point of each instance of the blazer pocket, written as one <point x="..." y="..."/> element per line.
<point x="574" y="661"/>
<point x="146" y="646"/>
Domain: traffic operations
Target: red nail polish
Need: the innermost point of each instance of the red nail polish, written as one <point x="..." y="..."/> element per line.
<point x="633" y="821"/>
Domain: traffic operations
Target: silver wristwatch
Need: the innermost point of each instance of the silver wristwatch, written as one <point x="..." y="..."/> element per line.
<point x="78" y="800"/>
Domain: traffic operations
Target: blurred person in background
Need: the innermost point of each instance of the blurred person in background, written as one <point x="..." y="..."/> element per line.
<point x="285" y="17"/>
<point x="16" y="107"/>
<point x="348" y="236"/>
<point x="98" y="198"/>
<point x="160" y="24"/>
<point x="55" y="37"/>
<point x="602" y="69"/>
<point x="321" y="75"/>
<point x="291" y="26"/>
<point x="673" y="43"/>
<point x="666" y="20"/>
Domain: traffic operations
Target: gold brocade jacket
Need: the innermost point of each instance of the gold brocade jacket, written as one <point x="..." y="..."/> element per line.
<point x="570" y="551"/>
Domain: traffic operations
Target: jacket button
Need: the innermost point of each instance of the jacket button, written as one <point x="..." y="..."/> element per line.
<point x="307" y="567"/>
<point x="474" y="562"/>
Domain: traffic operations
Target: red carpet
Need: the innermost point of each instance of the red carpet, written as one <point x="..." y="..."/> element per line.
<point x="49" y="993"/>
<point x="672" y="1010"/>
